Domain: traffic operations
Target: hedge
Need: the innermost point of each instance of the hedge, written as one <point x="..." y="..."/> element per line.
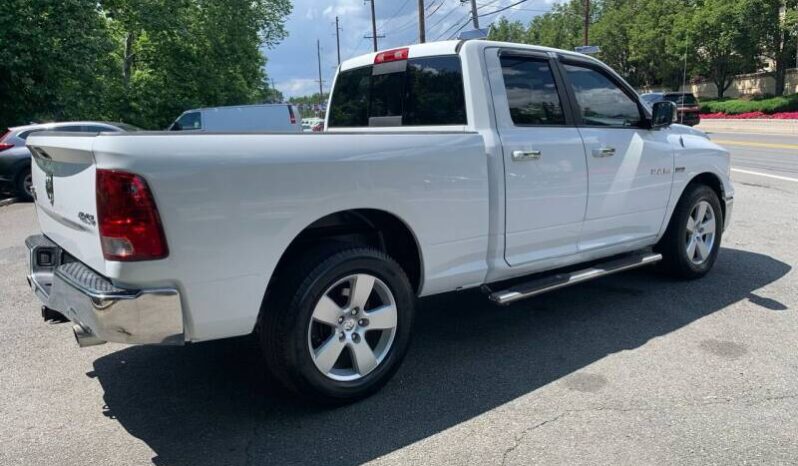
<point x="737" y="106"/>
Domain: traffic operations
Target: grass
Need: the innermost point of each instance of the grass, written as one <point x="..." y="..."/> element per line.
<point x="770" y="105"/>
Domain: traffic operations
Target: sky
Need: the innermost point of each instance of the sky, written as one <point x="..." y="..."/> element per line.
<point x="293" y="65"/>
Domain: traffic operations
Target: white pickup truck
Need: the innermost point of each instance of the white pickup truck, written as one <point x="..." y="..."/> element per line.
<point x="444" y="166"/>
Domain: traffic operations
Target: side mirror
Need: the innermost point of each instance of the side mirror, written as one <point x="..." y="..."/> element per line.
<point x="662" y="114"/>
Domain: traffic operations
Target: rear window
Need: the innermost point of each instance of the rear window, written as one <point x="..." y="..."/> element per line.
<point x="418" y="92"/>
<point x="681" y="99"/>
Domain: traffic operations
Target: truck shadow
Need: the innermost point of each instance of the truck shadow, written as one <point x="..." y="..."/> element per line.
<point x="211" y="404"/>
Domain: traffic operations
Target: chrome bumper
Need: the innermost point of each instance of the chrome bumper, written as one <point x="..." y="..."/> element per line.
<point x="729" y="200"/>
<point x="107" y="312"/>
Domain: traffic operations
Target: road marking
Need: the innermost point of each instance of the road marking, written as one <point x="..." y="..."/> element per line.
<point x="769" y="145"/>
<point x="783" y="178"/>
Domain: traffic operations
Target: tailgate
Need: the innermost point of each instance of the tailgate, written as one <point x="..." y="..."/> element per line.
<point x="64" y="182"/>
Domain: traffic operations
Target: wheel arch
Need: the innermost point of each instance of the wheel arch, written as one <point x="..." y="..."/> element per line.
<point x="714" y="182"/>
<point x="374" y="227"/>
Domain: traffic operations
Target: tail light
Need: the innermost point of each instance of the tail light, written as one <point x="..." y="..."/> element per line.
<point x="3" y="145"/>
<point x="391" y="55"/>
<point x="129" y="224"/>
<point x="291" y="115"/>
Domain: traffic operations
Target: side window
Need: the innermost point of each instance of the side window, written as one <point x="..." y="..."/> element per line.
<point x="98" y="129"/>
<point x="601" y="101"/>
<point x="69" y="129"/>
<point x="435" y="92"/>
<point x="188" y="121"/>
<point x="531" y="91"/>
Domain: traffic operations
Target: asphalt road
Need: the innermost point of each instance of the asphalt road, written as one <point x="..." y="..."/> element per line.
<point x="770" y="154"/>
<point x="633" y="369"/>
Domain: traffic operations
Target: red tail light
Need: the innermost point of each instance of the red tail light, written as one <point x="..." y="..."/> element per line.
<point x="391" y="55"/>
<point x="4" y="146"/>
<point x="291" y="115"/>
<point x="130" y="227"/>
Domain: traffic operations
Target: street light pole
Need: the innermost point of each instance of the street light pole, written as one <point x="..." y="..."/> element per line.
<point x="422" y="33"/>
<point x="321" y="88"/>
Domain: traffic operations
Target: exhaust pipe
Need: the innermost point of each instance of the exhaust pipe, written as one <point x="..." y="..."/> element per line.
<point x="84" y="337"/>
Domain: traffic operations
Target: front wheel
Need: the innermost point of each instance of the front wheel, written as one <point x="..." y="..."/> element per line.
<point x="338" y="324"/>
<point x="691" y="243"/>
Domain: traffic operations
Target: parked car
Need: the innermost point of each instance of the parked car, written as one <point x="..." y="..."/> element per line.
<point x="15" y="159"/>
<point x="444" y="166"/>
<point x="275" y="118"/>
<point x="308" y="124"/>
<point x="687" y="109"/>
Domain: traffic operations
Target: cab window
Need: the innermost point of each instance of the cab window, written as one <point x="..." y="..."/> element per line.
<point x="601" y="101"/>
<point x="187" y="121"/>
<point x="531" y="92"/>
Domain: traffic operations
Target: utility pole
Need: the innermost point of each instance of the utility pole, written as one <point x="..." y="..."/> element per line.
<point x="338" y="39"/>
<point x="422" y="32"/>
<point x="587" y="22"/>
<point x="373" y="25"/>
<point x="321" y="88"/>
<point x="474" y="14"/>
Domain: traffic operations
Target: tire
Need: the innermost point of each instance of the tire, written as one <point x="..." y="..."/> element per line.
<point x="298" y="347"/>
<point x="23" y="183"/>
<point x="683" y="256"/>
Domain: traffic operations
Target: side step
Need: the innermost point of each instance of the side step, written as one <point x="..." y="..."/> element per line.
<point x="561" y="280"/>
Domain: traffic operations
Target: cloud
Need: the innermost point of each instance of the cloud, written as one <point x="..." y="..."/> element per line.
<point x="298" y="87"/>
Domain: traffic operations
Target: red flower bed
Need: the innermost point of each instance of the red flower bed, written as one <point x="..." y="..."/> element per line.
<point x="751" y="116"/>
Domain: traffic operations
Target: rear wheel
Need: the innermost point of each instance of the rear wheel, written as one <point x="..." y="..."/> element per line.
<point x="24" y="184"/>
<point x="338" y="323"/>
<point x="691" y="244"/>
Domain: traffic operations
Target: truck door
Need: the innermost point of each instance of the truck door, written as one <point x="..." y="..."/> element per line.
<point x="630" y="167"/>
<point x="544" y="160"/>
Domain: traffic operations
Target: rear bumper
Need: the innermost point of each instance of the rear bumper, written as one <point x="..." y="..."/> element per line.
<point x="107" y="312"/>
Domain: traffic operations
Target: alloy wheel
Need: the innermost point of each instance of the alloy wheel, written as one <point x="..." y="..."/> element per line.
<point x="700" y="232"/>
<point x="352" y="327"/>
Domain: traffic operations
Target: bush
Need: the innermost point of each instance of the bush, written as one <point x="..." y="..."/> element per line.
<point x="738" y="106"/>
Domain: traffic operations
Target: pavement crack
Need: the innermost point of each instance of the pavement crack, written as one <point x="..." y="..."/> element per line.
<point x="520" y="437"/>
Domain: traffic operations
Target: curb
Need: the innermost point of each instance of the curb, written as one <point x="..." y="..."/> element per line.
<point x="788" y="127"/>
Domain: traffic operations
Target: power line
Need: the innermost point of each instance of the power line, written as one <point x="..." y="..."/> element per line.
<point x="502" y="9"/>
<point x="467" y="18"/>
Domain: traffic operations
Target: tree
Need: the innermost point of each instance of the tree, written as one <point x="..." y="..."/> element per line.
<point x="727" y="39"/>
<point x="506" y="31"/>
<point x="55" y="61"/>
<point x="779" y="26"/>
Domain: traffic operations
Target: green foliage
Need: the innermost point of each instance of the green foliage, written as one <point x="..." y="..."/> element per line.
<point x="138" y="61"/>
<point x="647" y="41"/>
<point x="736" y="106"/>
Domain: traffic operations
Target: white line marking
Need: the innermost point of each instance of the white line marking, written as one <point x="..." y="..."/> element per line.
<point x="784" y="178"/>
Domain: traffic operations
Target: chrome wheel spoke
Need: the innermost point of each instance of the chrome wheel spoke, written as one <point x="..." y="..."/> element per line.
<point x="362" y="285"/>
<point x="691" y="247"/>
<point x="382" y="318"/>
<point x="708" y="226"/>
<point x="701" y="212"/>
<point x="690" y="224"/>
<point x="327" y="312"/>
<point x="701" y="248"/>
<point x="363" y="357"/>
<point x="328" y="353"/>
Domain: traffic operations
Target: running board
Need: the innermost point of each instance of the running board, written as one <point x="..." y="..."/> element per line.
<point x="561" y="280"/>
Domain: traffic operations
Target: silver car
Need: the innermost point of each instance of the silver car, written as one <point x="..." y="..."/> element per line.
<point x="15" y="157"/>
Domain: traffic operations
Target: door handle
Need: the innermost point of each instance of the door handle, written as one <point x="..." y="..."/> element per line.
<point x="604" y="152"/>
<point x="523" y="155"/>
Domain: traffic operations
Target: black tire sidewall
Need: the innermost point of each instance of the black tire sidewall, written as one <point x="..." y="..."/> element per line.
<point x="307" y="377"/>
<point x="19" y="184"/>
